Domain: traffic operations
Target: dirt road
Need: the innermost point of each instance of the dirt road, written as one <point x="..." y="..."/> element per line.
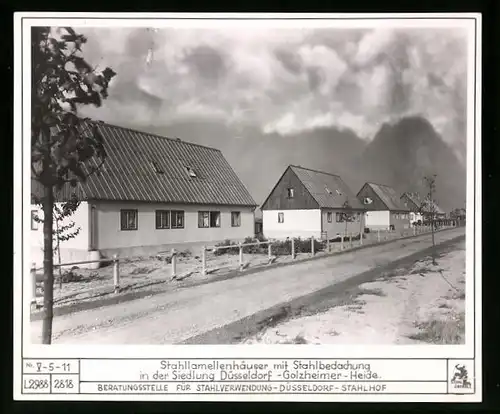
<point x="176" y="316"/>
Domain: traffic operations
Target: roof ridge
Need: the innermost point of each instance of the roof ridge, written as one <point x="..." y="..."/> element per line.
<point x="317" y="171"/>
<point x="381" y="185"/>
<point x="154" y="135"/>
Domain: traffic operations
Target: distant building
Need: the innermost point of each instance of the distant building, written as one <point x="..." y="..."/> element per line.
<point x="385" y="210"/>
<point x="306" y="203"/>
<point x="151" y="194"/>
<point x="258" y="226"/>
<point x="413" y="202"/>
<point x="421" y="208"/>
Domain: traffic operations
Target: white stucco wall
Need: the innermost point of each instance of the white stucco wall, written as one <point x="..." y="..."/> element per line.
<point x="377" y="219"/>
<point x="415" y="217"/>
<point x="72" y="250"/>
<point x="110" y="236"/>
<point x="296" y="223"/>
<point x="334" y="228"/>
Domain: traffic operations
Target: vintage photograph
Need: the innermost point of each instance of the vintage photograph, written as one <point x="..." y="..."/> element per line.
<point x="249" y="184"/>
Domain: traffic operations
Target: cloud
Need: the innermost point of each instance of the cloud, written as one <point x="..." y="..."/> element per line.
<point x="285" y="80"/>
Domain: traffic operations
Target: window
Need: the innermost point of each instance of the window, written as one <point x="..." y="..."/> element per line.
<point x="191" y="172"/>
<point x="329" y="216"/>
<point x="235" y="219"/>
<point x="214" y="219"/>
<point x="162" y="219"/>
<point x="34" y="218"/>
<point x="156" y="167"/>
<point x="203" y="219"/>
<point x="128" y="219"/>
<point x="339" y="217"/>
<point x="281" y="218"/>
<point x="177" y="219"/>
<point x="208" y="219"/>
<point x="290" y="192"/>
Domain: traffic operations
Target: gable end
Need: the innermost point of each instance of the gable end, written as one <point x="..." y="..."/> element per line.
<point x="279" y="199"/>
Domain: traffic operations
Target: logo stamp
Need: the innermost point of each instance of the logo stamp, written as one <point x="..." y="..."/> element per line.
<point x="461" y="376"/>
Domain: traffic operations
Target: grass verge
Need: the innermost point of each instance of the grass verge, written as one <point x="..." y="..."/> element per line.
<point x="450" y="331"/>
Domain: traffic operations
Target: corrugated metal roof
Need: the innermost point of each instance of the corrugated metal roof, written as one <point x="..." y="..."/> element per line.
<point x="329" y="190"/>
<point x="388" y="196"/>
<point x="151" y="168"/>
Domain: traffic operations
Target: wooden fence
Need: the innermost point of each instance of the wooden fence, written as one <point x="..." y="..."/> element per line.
<point x="345" y="242"/>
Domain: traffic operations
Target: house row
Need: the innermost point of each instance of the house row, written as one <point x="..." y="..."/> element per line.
<point x="307" y="202"/>
<point x="155" y="193"/>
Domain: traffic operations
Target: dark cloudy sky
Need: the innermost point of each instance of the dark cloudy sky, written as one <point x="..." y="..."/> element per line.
<point x="284" y="80"/>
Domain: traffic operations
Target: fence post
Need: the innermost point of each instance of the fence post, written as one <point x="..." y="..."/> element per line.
<point x="269" y="250"/>
<point x="203" y="260"/>
<point x="293" y="248"/>
<point x="414" y="230"/>
<point x="350" y="240"/>
<point x="378" y="235"/>
<point x="327" y="243"/>
<point x="33" y="285"/>
<point x="241" y="255"/>
<point x="174" y="263"/>
<point x="312" y="245"/>
<point x="360" y="238"/>
<point x="116" y="273"/>
<point x="342" y="241"/>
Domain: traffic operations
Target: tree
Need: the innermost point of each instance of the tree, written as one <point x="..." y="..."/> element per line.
<point x="65" y="148"/>
<point x="429" y="207"/>
<point x="62" y="233"/>
<point x="66" y="232"/>
<point x="347" y="215"/>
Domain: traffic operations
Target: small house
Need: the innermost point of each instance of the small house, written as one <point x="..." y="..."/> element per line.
<point x="385" y="209"/>
<point x="152" y="194"/>
<point x="310" y="203"/>
<point x="421" y="209"/>
<point x="413" y="202"/>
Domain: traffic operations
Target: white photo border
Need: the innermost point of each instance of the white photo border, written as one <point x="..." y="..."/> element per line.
<point x="22" y="190"/>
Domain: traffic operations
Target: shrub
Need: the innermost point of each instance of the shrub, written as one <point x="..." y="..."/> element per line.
<point x="257" y="249"/>
<point x="230" y="248"/>
<point x="284" y="248"/>
<point x="185" y="253"/>
<point x="70" y="276"/>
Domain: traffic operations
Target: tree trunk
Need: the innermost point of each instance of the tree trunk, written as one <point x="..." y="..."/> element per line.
<point x="58" y="248"/>
<point x="345" y="231"/>
<point x="48" y="269"/>
<point x="361" y="230"/>
<point x="432" y="224"/>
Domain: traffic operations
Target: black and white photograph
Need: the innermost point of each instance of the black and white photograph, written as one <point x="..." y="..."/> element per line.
<point x="250" y="182"/>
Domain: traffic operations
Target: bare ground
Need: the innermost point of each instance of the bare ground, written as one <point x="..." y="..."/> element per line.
<point x="177" y="315"/>
<point x="421" y="303"/>
<point x="143" y="272"/>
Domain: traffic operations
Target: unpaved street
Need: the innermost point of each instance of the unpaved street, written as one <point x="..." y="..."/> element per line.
<point x="176" y="316"/>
